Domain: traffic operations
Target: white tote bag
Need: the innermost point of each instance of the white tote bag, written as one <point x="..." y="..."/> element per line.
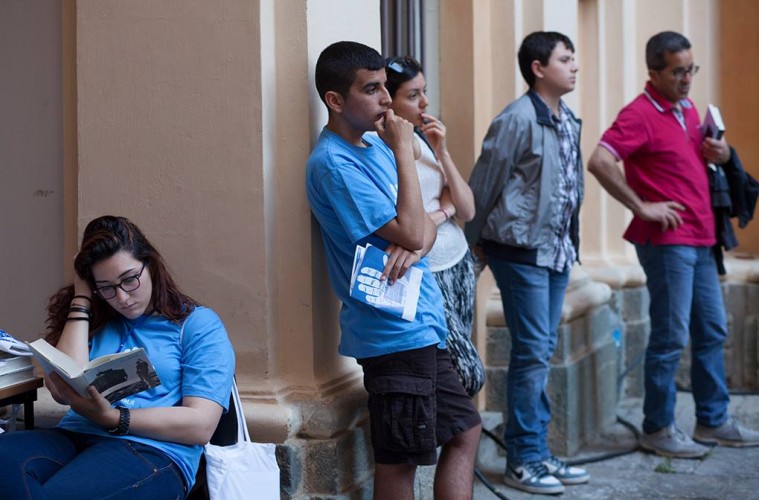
<point x="244" y="470"/>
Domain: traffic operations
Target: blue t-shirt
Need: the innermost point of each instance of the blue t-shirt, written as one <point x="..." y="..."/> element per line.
<point x="353" y="192"/>
<point x="191" y="359"/>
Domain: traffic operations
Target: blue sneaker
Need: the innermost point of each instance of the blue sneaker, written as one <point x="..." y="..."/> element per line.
<point x="532" y="477"/>
<point x="566" y="473"/>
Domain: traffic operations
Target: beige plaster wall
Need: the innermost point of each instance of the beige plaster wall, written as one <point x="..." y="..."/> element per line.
<point x="737" y="64"/>
<point x="169" y="123"/>
<point x="70" y="143"/>
<point x="31" y="180"/>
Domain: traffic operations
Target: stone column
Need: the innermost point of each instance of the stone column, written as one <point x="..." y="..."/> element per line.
<point x="193" y="120"/>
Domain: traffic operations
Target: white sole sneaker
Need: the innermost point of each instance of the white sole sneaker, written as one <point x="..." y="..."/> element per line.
<point x="526" y="479"/>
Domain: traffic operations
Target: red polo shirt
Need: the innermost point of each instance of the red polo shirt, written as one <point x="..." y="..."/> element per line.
<point x="663" y="162"/>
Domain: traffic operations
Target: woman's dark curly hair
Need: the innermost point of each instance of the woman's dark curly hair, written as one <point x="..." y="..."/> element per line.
<point x="399" y="70"/>
<point x="103" y="237"/>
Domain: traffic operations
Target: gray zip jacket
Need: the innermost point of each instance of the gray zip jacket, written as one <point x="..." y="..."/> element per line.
<point x="515" y="182"/>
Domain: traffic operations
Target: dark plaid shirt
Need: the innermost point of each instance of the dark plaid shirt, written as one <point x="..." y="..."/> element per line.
<point x="566" y="196"/>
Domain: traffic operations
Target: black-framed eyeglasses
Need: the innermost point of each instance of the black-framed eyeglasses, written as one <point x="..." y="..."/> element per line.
<point x="128" y="284"/>
<point x="679" y="73"/>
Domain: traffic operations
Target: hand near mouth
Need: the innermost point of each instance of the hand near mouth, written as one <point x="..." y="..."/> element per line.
<point x="397" y="132"/>
<point x="435" y="132"/>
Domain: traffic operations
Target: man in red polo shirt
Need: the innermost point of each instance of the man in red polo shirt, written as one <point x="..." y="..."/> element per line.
<point x="659" y="138"/>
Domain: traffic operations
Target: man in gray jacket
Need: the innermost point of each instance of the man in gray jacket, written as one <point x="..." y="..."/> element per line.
<point x="528" y="186"/>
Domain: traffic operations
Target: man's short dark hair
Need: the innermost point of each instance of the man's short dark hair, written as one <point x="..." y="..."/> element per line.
<point x="661" y="43"/>
<point x="539" y="46"/>
<point x="337" y="65"/>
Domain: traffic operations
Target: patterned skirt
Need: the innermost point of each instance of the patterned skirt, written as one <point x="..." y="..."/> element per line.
<point x="457" y="284"/>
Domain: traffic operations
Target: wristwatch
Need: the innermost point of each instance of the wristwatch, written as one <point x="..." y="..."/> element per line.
<point x="123" y="427"/>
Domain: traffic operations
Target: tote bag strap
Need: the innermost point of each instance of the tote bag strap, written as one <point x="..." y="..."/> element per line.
<point x="242" y="427"/>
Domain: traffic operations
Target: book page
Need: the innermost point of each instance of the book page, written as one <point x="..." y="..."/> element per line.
<point x="106" y="358"/>
<point x="124" y="375"/>
<point x="52" y="359"/>
<point x="399" y="299"/>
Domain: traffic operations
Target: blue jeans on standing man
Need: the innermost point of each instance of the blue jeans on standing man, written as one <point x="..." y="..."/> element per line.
<point x="532" y="298"/>
<point x="686" y="301"/>
<point x="66" y="465"/>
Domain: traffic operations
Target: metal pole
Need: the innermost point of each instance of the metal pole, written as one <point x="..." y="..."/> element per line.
<point x="422" y="33"/>
<point x="385" y="18"/>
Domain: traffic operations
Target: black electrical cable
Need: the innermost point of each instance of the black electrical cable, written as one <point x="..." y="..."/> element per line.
<point x="479" y="474"/>
<point x="495" y="438"/>
<point x="489" y="485"/>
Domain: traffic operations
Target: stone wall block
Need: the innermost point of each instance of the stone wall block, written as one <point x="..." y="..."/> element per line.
<point x="337" y="468"/>
<point x="735" y="306"/>
<point x="604" y="325"/>
<point x="635" y="304"/>
<point x="498" y="346"/>
<point x="752" y="298"/>
<point x="564" y="391"/>
<point x="735" y="298"/>
<point x="490" y="456"/>
<point x="741" y="302"/>
<point x="583" y="398"/>
<point x="751" y="343"/>
<point x="569" y="338"/>
<point x="635" y="339"/>
<point x="289" y="459"/>
<point x="495" y="388"/>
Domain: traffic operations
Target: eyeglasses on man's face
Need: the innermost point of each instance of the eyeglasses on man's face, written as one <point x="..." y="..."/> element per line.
<point x="128" y="284"/>
<point x="680" y="73"/>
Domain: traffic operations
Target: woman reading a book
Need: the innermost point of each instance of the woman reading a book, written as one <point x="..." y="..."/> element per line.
<point x="447" y="199"/>
<point x="146" y="445"/>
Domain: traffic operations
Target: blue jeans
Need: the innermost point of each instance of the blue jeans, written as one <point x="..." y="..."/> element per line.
<point x="51" y="464"/>
<point x="532" y="297"/>
<point x="686" y="301"/>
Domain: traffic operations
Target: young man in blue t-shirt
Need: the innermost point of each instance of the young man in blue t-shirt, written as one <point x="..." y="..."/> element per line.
<point x="365" y="189"/>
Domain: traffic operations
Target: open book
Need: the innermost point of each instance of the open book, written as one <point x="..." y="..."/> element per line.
<point x="115" y="376"/>
<point x="399" y="299"/>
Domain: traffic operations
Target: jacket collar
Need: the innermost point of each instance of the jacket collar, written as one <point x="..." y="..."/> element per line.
<point x="543" y="112"/>
<point x="541" y="108"/>
<point x="660" y="103"/>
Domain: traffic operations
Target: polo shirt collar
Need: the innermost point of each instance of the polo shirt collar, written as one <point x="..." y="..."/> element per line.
<point x="660" y="103"/>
